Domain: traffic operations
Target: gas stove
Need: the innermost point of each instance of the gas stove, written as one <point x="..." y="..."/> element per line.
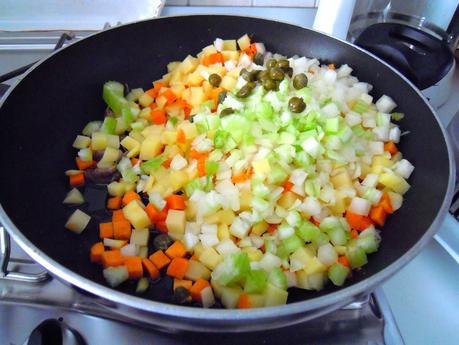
<point x="29" y="297"/>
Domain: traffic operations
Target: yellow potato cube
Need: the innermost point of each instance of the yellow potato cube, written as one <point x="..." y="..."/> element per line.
<point x="287" y="200"/>
<point x="210" y="258"/>
<point x="230" y="55"/>
<point x="342" y="179"/>
<point x="136" y="215"/>
<point x="228" y="83"/>
<point x="229" y="45"/>
<point x="380" y="162"/>
<point x="209" y="50"/>
<point x="99" y="141"/>
<point x="226" y="216"/>
<point x="261" y="167"/>
<point x="152" y="131"/>
<point x="244" y="42"/>
<point x="245" y="200"/>
<point x="189" y="64"/>
<point x="178" y="179"/>
<point x="132" y="145"/>
<point x="169" y="137"/>
<point x="223" y="232"/>
<point x="150" y="148"/>
<point x="394" y="182"/>
<point x="314" y="266"/>
<point x="189" y="129"/>
<point x="191" y="209"/>
<point x="171" y="66"/>
<point x="260" y="228"/>
<point x="145" y="100"/>
<point x="175" y="221"/>
<point x="178" y="89"/>
<point x="161" y="102"/>
<point x="197" y="96"/>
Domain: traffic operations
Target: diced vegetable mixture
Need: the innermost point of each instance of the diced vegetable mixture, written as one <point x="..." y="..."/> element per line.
<point x="240" y="173"/>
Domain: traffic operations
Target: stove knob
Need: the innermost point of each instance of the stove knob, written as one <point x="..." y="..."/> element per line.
<point x="54" y="332"/>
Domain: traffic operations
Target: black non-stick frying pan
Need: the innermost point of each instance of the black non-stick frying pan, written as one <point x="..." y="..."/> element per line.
<point x="43" y="113"/>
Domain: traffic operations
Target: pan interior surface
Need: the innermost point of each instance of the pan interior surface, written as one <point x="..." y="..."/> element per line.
<point x="42" y="116"/>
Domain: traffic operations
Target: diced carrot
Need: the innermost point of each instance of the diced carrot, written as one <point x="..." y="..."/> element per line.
<point x="175" y="202"/>
<point x="83" y="165"/>
<point x="332" y="66"/>
<point x="155" y="215"/>
<point x="194" y="257"/>
<point x="177" y="268"/>
<point x="244" y="301"/>
<point x="386" y="204"/>
<point x="251" y="50"/>
<point x="153" y="106"/>
<point x="344" y="261"/>
<point x="129" y="196"/>
<point x="176" y="250"/>
<point x="354" y="233"/>
<point x="162" y="227"/>
<point x="150" y="268"/>
<point x="112" y="258"/>
<point x="159" y="259"/>
<point x="167" y="163"/>
<point x="134" y="161"/>
<point x="272" y="228"/>
<point x="134" y="266"/>
<point x="187" y="284"/>
<point x="314" y="221"/>
<point x="390" y="147"/>
<point x="114" y="203"/>
<point x="97" y="250"/>
<point x="378" y="215"/>
<point x="121" y="230"/>
<point x="214" y="94"/>
<point x="158" y="117"/>
<point x="202" y="166"/>
<point x="197" y="155"/>
<point x="106" y="230"/>
<point x="287" y="186"/>
<point x="181" y="137"/>
<point x="239" y="178"/>
<point x="155" y="90"/>
<point x="118" y="215"/>
<point x="170" y="96"/>
<point x="358" y="222"/>
<point x="213" y="59"/>
<point x="186" y="107"/>
<point x="76" y="180"/>
<point x="198" y="286"/>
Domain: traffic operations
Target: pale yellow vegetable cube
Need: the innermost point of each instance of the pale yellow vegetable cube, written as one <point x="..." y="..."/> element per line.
<point x="189" y="64"/>
<point x="145" y="113"/>
<point x="197" y="96"/>
<point x="339" y="206"/>
<point x="145" y="100"/>
<point x="245" y="200"/>
<point x="175" y="221"/>
<point x="228" y="83"/>
<point x="132" y="145"/>
<point x="253" y="253"/>
<point x="256" y="300"/>
<point x="78" y="221"/>
<point x="244" y="42"/>
<point x="302" y="280"/>
<point x="380" y="162"/>
<point x="229" y="45"/>
<point x="196" y="270"/>
<point x="274" y="296"/>
<point x="149" y="184"/>
<point x="260" y="228"/>
<point x="191" y="209"/>
<point x="152" y="131"/>
<point x="314" y="266"/>
<point x="209" y="50"/>
<point x="171" y="66"/>
<point x="226" y="216"/>
<point x="150" y="148"/>
<point x="81" y="142"/>
<point x="178" y="179"/>
<point x="210" y="258"/>
<point x="136" y="215"/>
<point x="98" y="141"/>
<point x="198" y="249"/>
<point x="161" y="102"/>
<point x="394" y="182"/>
<point x="342" y="179"/>
<point x="231" y="55"/>
<point x="261" y="167"/>
<point x="116" y="188"/>
<point x="287" y="200"/>
<point x="169" y="137"/>
<point x="178" y="89"/>
<point x="223" y="232"/>
<point x="189" y="129"/>
<point x="140" y="237"/>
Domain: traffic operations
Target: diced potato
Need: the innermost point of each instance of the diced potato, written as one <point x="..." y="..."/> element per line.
<point x="161" y="102"/>
<point x="197" y="96"/>
<point x="274" y="296"/>
<point x="253" y="253"/>
<point x="171" y="66"/>
<point x="340" y="204"/>
<point x="152" y="131"/>
<point x="189" y="64"/>
<point x="109" y="157"/>
<point x="341" y="179"/>
<point x="145" y="100"/>
<point x="230" y="296"/>
<point x="287" y="200"/>
<point x="166" y="78"/>
<point x="314" y="266"/>
<point x="132" y="145"/>
<point x="260" y="228"/>
<point x="150" y="148"/>
<point x="175" y="221"/>
<point x="209" y="50"/>
<point x="396" y="200"/>
<point x="394" y="182"/>
<point x="230" y="55"/>
<point x="186" y="95"/>
<point x="128" y="186"/>
<point x="207" y="89"/>
<point x="116" y="188"/>
<point x="228" y="83"/>
<point x="178" y="89"/>
<point x="143" y="252"/>
<point x="111" y="243"/>
<point x="81" y="142"/>
<point x="78" y="221"/>
<point x="209" y="257"/>
<point x="196" y="270"/>
<point x="244" y="42"/>
<point x="261" y="167"/>
<point x="140" y="237"/>
<point x="226" y="216"/>
<point x="223" y="232"/>
<point x="245" y="200"/>
<point x="235" y="73"/>
<point x="98" y="141"/>
<point x="136" y="215"/>
<point x="145" y="113"/>
<point x="176" y="79"/>
<point x="302" y="280"/>
<point x="229" y="45"/>
<point x="116" y="275"/>
<point x="113" y="141"/>
<point x="212" y="218"/>
<point x="169" y="137"/>
<point x="257" y="300"/>
<point x="198" y="249"/>
<point x="74" y="197"/>
<point x="380" y="162"/>
<point x="178" y="179"/>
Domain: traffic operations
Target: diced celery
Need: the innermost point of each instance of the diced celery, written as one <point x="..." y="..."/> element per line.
<point x="233" y="269"/>
<point x="152" y="165"/>
<point x="360" y="106"/>
<point x="277" y="175"/>
<point x="331" y="125"/>
<point x="275" y="296"/>
<point x="92" y="127"/>
<point x="129" y="175"/>
<point x="321" y="239"/>
<point x="338" y="273"/>
<point x="113" y="95"/>
<point x="220" y="139"/>
<point x="308" y="231"/>
<point x="292" y="243"/>
<point x="142" y="285"/>
<point x="368" y="243"/>
<point x="109" y="125"/>
<point x="356" y="256"/>
<point x="345" y="134"/>
<point x="270" y="246"/>
<point x="256" y="281"/>
<point x="337" y="236"/>
<point x="278" y="279"/>
<point x="397" y="116"/>
<point x="211" y="168"/>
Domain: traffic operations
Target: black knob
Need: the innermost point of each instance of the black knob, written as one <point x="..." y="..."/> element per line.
<point x="54" y="332"/>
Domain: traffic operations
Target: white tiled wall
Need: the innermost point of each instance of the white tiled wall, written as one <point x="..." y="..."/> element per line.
<point x="259" y="3"/>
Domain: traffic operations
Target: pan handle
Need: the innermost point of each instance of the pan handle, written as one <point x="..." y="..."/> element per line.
<point x="5" y="251"/>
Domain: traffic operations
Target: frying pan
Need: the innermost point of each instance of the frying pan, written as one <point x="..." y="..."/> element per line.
<point x="42" y="114"/>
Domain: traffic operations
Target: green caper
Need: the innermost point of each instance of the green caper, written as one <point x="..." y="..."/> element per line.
<point x="289" y="71"/>
<point x="296" y="105"/>
<point x="226" y="111"/>
<point x="215" y="80"/>
<point x="181" y="295"/>
<point x="300" y="81"/>
<point x="271" y="63"/>
<point x="246" y="75"/>
<point x="262" y="75"/>
<point x="244" y="91"/>
<point x="276" y="73"/>
<point x="251" y="84"/>
<point x="162" y="242"/>
<point x="283" y="63"/>
<point x="258" y="59"/>
<point x="269" y="84"/>
<point x="221" y="97"/>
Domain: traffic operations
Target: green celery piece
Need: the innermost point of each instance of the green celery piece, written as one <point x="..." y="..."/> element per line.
<point x="209" y="184"/>
<point x="277" y="175"/>
<point x="202" y="126"/>
<point x="397" y="116"/>
<point x="220" y="139"/>
<point x="173" y="120"/>
<point x="192" y="186"/>
<point x="345" y="134"/>
<point x="338" y="236"/>
<point x="233" y="269"/>
<point x="330" y="223"/>
<point x="142" y="285"/>
<point x="213" y="121"/>
<point x="137" y="126"/>
<point x="360" y="106"/>
<point x="215" y="155"/>
<point x="282" y="251"/>
<point x="292" y="243"/>
<point x="129" y="175"/>
<point x="277" y="278"/>
<point x="302" y="159"/>
<point x="356" y="256"/>
<point x="230" y="144"/>
<point x="332" y="125"/>
<point x="256" y="281"/>
<point x="321" y="239"/>
<point x="152" y="165"/>
<point x="312" y="187"/>
<point x="211" y="168"/>
<point x="325" y="102"/>
<point x="91" y="127"/>
<point x="308" y="231"/>
<point x="358" y="131"/>
<point x="368" y="243"/>
<point x="264" y="110"/>
<point x="270" y="246"/>
<point x="126" y="115"/>
<point x="109" y="125"/>
<point x="338" y="273"/>
<point x="113" y="95"/>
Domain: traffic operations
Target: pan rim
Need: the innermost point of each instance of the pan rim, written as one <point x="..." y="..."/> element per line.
<point x="336" y="297"/>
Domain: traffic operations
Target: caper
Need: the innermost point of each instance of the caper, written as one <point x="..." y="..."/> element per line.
<point x="271" y="63"/>
<point x="215" y="80"/>
<point x="226" y="111"/>
<point x="269" y="84"/>
<point x="283" y="63"/>
<point x="162" y="242"/>
<point x="251" y="84"/>
<point x="289" y="71"/>
<point x="181" y="295"/>
<point x="244" y="91"/>
<point x="258" y="59"/>
<point x="262" y="75"/>
<point x="221" y="97"/>
<point x="300" y="81"/>
<point x="296" y="105"/>
<point x="246" y="75"/>
<point x="276" y="73"/>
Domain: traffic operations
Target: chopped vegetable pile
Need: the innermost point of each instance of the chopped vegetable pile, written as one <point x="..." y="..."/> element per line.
<point x="240" y="174"/>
